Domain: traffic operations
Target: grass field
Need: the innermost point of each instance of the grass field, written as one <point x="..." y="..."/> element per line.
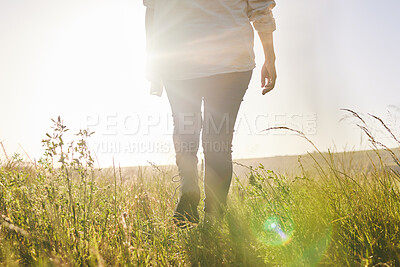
<point x="337" y="211"/>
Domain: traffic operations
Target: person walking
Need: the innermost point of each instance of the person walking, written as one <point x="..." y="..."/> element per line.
<point x="201" y="51"/>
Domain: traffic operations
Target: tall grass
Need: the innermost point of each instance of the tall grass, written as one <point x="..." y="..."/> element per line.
<point x="63" y="211"/>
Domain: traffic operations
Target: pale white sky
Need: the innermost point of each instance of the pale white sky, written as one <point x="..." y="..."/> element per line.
<point x="85" y="61"/>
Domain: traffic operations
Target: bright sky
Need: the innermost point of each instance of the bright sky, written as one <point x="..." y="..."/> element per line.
<point x="85" y="60"/>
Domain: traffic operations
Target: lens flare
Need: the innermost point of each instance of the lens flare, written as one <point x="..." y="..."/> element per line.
<point x="274" y="231"/>
<point x="277" y="231"/>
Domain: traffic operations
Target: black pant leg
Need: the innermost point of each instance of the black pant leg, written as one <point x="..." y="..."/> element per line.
<point x="222" y="99"/>
<point x="185" y="102"/>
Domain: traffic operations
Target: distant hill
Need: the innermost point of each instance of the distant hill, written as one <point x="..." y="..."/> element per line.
<point x="291" y="165"/>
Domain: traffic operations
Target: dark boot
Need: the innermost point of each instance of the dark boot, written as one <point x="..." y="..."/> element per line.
<point x="217" y="180"/>
<point x="189" y="197"/>
<point x="186" y="213"/>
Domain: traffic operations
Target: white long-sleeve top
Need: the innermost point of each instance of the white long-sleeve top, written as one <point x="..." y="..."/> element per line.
<point x="198" y="38"/>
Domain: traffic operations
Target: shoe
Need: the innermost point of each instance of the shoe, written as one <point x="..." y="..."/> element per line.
<point x="186" y="214"/>
<point x="213" y="218"/>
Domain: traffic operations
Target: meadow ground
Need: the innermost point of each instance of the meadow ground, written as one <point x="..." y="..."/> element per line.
<point x="338" y="210"/>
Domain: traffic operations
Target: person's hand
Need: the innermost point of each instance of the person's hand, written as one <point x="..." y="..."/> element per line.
<point x="268" y="76"/>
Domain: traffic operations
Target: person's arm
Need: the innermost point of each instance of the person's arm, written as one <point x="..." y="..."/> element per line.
<point x="149" y="21"/>
<point x="156" y="86"/>
<point x="268" y="70"/>
<point x="260" y="13"/>
<point x="149" y="4"/>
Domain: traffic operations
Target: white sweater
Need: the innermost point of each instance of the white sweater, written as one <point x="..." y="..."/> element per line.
<point x="198" y="38"/>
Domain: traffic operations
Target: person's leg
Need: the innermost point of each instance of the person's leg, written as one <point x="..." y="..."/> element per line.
<point x="222" y="98"/>
<point x="185" y="102"/>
